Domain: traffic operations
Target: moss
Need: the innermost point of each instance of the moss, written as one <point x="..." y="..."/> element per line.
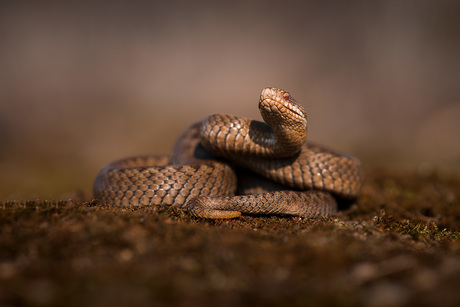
<point x="400" y="239"/>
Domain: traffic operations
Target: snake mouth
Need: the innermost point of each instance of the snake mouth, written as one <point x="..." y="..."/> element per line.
<point x="281" y="100"/>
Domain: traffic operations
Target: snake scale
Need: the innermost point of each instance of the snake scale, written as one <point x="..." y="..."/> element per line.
<point x="224" y="155"/>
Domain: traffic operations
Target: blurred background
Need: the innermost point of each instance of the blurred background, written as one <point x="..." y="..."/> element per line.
<point x="86" y="82"/>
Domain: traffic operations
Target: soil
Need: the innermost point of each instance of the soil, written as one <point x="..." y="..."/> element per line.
<point x="398" y="245"/>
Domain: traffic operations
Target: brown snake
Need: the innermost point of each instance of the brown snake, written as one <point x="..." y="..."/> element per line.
<point x="201" y="173"/>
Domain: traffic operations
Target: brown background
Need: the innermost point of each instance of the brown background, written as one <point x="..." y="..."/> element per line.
<point x="84" y="83"/>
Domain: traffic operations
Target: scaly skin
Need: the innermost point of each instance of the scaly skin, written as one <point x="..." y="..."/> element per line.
<point x="310" y="204"/>
<point x="205" y="185"/>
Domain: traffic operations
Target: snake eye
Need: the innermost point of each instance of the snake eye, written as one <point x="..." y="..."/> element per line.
<point x="286" y="96"/>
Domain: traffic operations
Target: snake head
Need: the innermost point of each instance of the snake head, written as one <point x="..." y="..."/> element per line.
<point x="277" y="105"/>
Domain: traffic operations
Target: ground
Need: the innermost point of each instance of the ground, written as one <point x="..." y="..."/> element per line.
<point x="397" y="246"/>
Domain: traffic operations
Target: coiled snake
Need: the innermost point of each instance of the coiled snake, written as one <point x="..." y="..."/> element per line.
<point x="201" y="174"/>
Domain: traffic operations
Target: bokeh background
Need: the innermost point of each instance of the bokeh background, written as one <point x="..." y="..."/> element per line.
<point x="86" y="82"/>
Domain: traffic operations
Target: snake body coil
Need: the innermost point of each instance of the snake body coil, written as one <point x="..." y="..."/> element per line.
<point x="198" y="177"/>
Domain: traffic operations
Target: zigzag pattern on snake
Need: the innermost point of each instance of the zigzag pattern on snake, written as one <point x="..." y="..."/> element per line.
<point x="294" y="177"/>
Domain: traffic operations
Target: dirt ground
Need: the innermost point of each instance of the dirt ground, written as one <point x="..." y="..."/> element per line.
<point x="397" y="246"/>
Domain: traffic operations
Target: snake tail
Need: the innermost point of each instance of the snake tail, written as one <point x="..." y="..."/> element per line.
<point x="309" y="204"/>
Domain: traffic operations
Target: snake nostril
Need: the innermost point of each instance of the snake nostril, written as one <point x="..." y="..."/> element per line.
<point x="286" y="96"/>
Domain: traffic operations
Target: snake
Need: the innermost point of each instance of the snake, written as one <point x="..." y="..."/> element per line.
<point x="225" y="166"/>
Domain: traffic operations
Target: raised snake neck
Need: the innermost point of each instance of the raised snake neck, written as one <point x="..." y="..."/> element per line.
<point x="205" y="185"/>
